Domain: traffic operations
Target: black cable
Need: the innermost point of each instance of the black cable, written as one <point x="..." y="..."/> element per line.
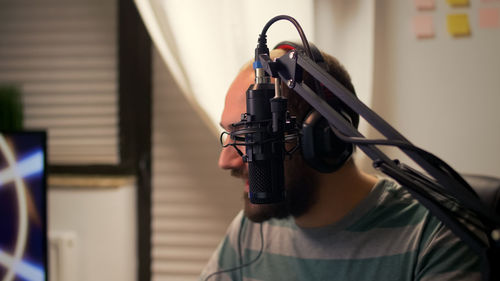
<point x="241" y="266"/>
<point x="240" y="252"/>
<point x="453" y="205"/>
<point x="406" y="146"/>
<point x="302" y="35"/>
<point x="444" y="167"/>
<point x="470" y="216"/>
<point x="400" y="144"/>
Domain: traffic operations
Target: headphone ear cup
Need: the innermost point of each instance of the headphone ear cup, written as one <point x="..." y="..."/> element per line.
<point x="321" y="148"/>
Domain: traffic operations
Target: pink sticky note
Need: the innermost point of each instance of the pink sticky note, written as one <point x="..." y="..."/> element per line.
<point x="423" y="26"/>
<point x="425" y="4"/>
<point x="489" y="17"/>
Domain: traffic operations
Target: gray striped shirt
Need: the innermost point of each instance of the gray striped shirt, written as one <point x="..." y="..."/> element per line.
<point x="388" y="236"/>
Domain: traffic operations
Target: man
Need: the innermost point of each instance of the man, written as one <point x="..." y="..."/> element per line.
<point x="344" y="225"/>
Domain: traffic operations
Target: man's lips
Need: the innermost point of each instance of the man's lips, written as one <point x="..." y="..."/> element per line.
<point x="242" y="174"/>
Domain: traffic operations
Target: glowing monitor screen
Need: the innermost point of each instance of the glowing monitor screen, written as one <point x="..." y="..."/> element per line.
<point x="23" y="239"/>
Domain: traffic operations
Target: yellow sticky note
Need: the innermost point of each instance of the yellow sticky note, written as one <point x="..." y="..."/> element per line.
<point x="458" y="2"/>
<point x="458" y="24"/>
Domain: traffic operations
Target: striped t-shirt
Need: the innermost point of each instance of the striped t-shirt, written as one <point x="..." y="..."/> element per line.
<point x="388" y="236"/>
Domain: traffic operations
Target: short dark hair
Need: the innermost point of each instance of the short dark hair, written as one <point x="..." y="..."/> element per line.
<point x="299" y="107"/>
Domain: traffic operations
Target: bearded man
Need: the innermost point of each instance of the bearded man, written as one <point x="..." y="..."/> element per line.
<point x="338" y="225"/>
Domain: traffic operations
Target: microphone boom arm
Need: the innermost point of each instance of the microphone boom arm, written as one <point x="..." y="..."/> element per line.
<point x="443" y="180"/>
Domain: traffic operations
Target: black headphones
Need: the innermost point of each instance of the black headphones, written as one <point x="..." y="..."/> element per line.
<point x="321" y="148"/>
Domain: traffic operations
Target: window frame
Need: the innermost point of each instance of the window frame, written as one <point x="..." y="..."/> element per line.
<point x="135" y="110"/>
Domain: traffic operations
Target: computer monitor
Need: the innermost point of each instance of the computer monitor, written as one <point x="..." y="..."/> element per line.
<point x="23" y="219"/>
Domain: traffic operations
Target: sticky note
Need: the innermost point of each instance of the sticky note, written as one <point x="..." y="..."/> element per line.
<point x="489" y="17"/>
<point x="456" y="3"/>
<point x="423" y="26"/>
<point x="458" y="24"/>
<point x="425" y="4"/>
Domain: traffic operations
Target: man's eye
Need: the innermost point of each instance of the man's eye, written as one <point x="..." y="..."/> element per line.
<point x="239" y="138"/>
<point x="237" y="134"/>
<point x="235" y="127"/>
<point x="231" y="138"/>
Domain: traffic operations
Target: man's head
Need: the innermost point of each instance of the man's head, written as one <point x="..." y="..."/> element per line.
<point x="301" y="181"/>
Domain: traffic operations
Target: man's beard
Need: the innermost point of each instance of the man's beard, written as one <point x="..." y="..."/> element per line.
<point x="301" y="190"/>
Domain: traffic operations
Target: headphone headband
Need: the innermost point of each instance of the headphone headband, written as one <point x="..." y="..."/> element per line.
<point x="290" y="45"/>
<point x="321" y="149"/>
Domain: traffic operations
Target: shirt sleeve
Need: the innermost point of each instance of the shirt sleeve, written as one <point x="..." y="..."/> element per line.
<point x="444" y="256"/>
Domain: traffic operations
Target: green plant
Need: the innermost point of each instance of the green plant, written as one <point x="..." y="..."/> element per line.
<point x="11" y="109"/>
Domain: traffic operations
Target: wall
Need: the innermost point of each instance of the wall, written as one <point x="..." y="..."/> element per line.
<point x="443" y="92"/>
<point x="345" y="30"/>
<point x="102" y="219"/>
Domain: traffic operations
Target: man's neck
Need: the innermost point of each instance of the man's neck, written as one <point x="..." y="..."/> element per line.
<point x="338" y="194"/>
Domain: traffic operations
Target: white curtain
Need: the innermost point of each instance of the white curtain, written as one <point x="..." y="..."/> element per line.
<point x="204" y="43"/>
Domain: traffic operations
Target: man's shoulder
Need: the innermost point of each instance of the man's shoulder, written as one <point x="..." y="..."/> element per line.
<point x="397" y="197"/>
<point x="390" y="206"/>
<point x="394" y="192"/>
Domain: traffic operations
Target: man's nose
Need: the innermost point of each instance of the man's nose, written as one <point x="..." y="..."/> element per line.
<point x="230" y="159"/>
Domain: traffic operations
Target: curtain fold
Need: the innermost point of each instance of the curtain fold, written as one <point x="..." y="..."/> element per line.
<point x="204" y="43"/>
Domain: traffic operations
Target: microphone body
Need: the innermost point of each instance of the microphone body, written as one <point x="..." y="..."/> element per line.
<point x="265" y="145"/>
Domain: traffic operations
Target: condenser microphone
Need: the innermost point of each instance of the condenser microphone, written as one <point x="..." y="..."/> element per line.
<point x="266" y="116"/>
